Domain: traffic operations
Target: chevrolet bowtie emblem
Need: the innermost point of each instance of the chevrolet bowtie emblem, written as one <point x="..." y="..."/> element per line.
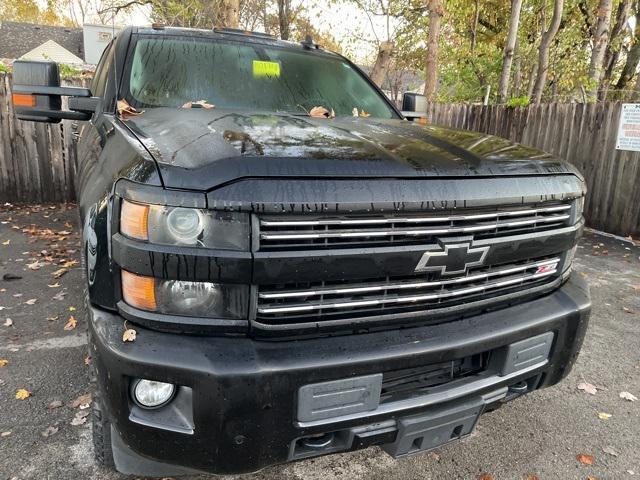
<point x="454" y="259"/>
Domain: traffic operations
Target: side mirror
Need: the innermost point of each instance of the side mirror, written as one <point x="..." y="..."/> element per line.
<point x="414" y="106"/>
<point x="37" y="94"/>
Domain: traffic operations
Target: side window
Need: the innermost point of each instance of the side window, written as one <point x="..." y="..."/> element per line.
<point x="103" y="81"/>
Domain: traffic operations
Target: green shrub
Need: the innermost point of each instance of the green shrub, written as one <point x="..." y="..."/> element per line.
<point x="3" y="68"/>
<point x="67" y="71"/>
<point x="515" y="102"/>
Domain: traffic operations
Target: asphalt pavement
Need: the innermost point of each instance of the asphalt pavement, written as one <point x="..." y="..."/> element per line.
<point x="46" y="436"/>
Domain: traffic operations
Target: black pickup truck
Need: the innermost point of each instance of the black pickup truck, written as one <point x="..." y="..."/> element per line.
<point x="281" y="265"/>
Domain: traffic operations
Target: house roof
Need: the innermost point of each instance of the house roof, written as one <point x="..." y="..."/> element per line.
<point x="17" y="39"/>
<point x="50" y="50"/>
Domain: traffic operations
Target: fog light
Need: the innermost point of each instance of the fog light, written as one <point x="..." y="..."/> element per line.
<point x="152" y="394"/>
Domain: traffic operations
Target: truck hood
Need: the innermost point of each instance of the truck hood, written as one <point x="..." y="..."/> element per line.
<point x="201" y="149"/>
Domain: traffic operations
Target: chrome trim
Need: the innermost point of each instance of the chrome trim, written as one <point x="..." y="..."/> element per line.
<point x="407" y="299"/>
<point x="415" y="232"/>
<point x="381" y="221"/>
<point x="409" y="285"/>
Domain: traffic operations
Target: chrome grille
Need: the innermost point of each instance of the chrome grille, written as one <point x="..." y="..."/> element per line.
<point x="322" y="301"/>
<point x="309" y="233"/>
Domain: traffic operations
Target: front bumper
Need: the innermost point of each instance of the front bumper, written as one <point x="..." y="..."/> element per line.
<point x="239" y="408"/>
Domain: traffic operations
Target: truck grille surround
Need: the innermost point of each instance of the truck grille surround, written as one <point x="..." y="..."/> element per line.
<point x="344" y="303"/>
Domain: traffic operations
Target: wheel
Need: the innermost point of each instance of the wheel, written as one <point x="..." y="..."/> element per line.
<point x="101" y="426"/>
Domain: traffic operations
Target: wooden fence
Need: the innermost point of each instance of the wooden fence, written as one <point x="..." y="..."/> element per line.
<point x="583" y="134"/>
<point x="37" y="164"/>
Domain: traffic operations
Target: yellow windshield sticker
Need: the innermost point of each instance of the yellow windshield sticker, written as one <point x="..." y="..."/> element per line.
<point x="266" y="69"/>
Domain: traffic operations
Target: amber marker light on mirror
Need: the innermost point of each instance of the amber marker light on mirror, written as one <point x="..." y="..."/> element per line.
<point x="23" y="100"/>
<point x="134" y="220"/>
<point x="139" y="291"/>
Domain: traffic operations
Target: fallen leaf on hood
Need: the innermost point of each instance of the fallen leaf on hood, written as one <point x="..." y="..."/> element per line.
<point x="586" y="459"/>
<point x="628" y="396"/>
<point x="49" y="431"/>
<point x="198" y="104"/>
<point x="21" y="394"/>
<point x="60" y="272"/>
<point x="364" y="114"/>
<point x="8" y="322"/>
<point x="125" y="110"/>
<point x="31" y="301"/>
<point x="80" y="418"/>
<point x="3" y="362"/>
<point x="587" y="387"/>
<point x="55" y="404"/>
<point x="129" y="335"/>
<point x="321" y="112"/>
<point x="81" y="400"/>
<point x="354" y="112"/>
<point x="71" y="323"/>
<point x="610" y="450"/>
<point x="604" y="416"/>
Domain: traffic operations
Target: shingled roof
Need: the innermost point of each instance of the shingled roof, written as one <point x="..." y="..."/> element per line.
<point x="16" y="39"/>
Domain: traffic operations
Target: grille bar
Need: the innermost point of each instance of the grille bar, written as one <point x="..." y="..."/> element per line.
<point x="382" y="221"/>
<point x="405" y="285"/>
<point x="439" y="295"/>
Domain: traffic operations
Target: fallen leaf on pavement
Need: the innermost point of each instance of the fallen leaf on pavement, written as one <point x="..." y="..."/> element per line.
<point x="31" y="301"/>
<point x="485" y="476"/>
<point x="604" y="416"/>
<point x="55" y="404"/>
<point x="5" y="434"/>
<point x="49" y="431"/>
<point x="54" y="285"/>
<point x="71" y="323"/>
<point x="69" y="264"/>
<point x="588" y="387"/>
<point x="59" y="296"/>
<point x="60" y="272"/>
<point x="34" y="266"/>
<point x="8" y="322"/>
<point x="6" y="242"/>
<point x="81" y="400"/>
<point x="72" y="309"/>
<point x="80" y="418"/>
<point x="129" y="335"/>
<point x="52" y="318"/>
<point x="533" y="477"/>
<point x="3" y="362"/>
<point x="628" y="396"/>
<point x="627" y="309"/>
<point x="21" y="394"/>
<point x="586" y="459"/>
<point x="87" y="360"/>
<point x="610" y="450"/>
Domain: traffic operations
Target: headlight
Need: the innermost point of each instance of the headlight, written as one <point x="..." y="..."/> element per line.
<point x="185" y="226"/>
<point x="177" y="297"/>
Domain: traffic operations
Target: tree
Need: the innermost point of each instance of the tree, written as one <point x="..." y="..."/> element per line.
<point x="431" y="69"/>
<point x="230" y="15"/>
<point x="509" y="48"/>
<point x="614" y="47"/>
<point x="600" y="42"/>
<point x="543" y="53"/>
<point x="383" y="62"/>
<point x="633" y="57"/>
<point x="284" y="18"/>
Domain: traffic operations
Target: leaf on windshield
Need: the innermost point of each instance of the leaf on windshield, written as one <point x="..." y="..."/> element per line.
<point x="125" y="110"/>
<point x="198" y="104"/>
<point x="321" y="112"/>
<point x="359" y="113"/>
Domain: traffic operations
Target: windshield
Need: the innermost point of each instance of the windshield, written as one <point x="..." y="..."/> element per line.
<point x="173" y="71"/>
